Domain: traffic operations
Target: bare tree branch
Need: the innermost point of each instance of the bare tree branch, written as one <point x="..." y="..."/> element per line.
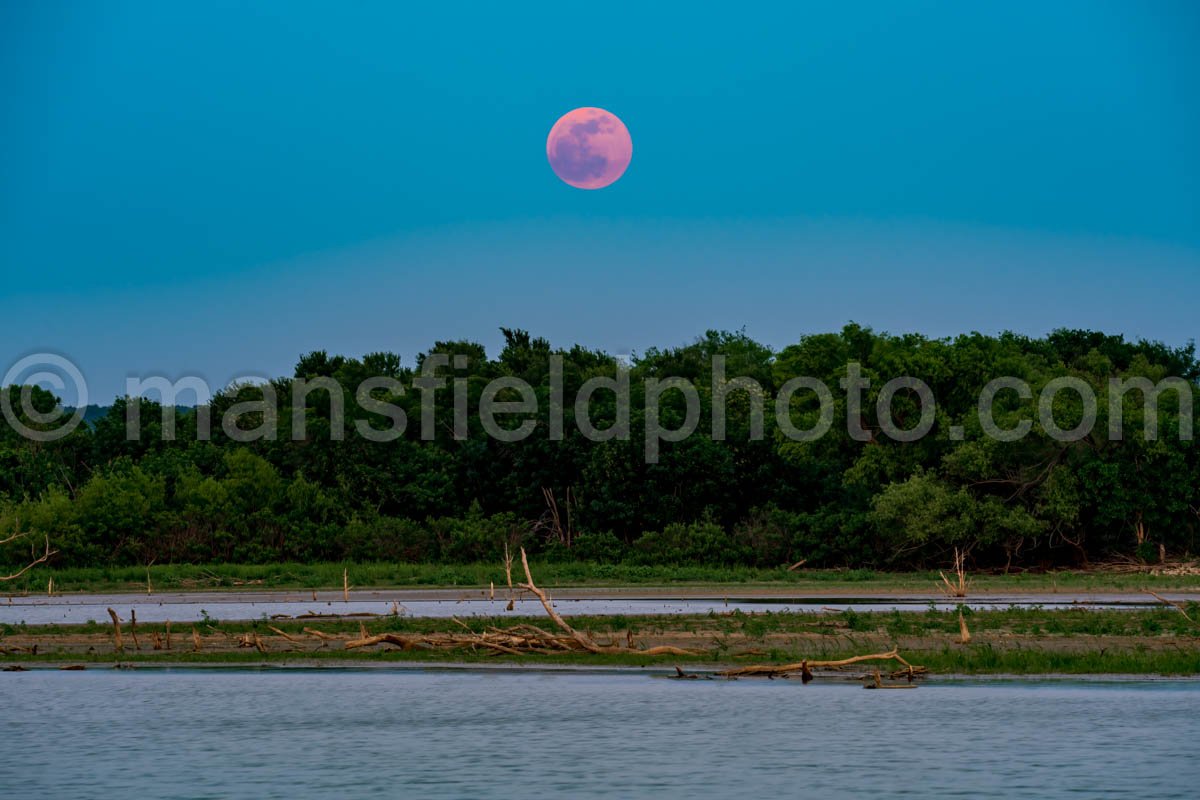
<point x="41" y="560"/>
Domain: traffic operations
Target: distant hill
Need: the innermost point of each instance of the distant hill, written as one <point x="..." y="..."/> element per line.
<point x="92" y="413"/>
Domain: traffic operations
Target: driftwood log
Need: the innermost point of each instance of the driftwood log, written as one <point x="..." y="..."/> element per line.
<point x="287" y="636"/>
<point x="319" y="634"/>
<point x="876" y="682"/>
<point x="769" y="670"/>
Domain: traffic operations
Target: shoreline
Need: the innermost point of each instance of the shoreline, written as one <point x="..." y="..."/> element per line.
<point x="658" y="671"/>
<point x="1160" y="640"/>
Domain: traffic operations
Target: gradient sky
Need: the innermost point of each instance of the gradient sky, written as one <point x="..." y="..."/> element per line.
<point x="212" y="190"/>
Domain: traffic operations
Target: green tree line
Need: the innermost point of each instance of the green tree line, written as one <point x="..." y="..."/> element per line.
<point x="848" y="498"/>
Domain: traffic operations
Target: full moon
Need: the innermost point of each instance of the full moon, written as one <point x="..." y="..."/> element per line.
<point x="589" y="148"/>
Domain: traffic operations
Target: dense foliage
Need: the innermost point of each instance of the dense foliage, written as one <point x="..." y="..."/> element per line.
<point x="838" y="500"/>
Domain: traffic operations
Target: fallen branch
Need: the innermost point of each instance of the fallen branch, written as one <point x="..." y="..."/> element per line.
<point x="402" y="641"/>
<point x="782" y="669"/>
<point x="661" y="650"/>
<point x="585" y="642"/>
<point x="319" y="634"/>
<point x="876" y="682"/>
<point x="1177" y="606"/>
<point x="511" y="641"/>
<point x="287" y="636"/>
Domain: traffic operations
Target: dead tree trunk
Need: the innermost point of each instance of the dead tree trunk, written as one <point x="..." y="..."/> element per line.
<point x="118" y="644"/>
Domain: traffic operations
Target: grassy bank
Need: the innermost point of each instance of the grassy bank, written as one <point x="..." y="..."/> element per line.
<point x="233" y="577"/>
<point x="971" y="661"/>
<point x="1015" y="641"/>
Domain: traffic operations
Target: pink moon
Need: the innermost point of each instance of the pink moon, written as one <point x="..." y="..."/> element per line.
<point x="589" y="148"/>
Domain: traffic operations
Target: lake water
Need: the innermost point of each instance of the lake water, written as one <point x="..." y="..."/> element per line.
<point x="425" y="733"/>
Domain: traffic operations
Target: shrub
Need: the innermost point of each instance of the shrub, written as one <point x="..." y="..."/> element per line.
<point x="602" y="548"/>
<point x="697" y="543"/>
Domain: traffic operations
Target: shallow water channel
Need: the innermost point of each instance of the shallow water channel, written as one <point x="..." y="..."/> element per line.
<point x="82" y="608"/>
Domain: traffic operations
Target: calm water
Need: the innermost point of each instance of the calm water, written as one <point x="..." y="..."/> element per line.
<point x="78" y="609"/>
<point x="441" y="734"/>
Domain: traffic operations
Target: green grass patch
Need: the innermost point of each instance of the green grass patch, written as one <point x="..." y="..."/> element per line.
<point x="1076" y="641"/>
<point x="972" y="660"/>
<point x="1030" y="622"/>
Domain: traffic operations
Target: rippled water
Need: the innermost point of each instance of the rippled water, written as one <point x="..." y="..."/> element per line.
<point x="468" y="734"/>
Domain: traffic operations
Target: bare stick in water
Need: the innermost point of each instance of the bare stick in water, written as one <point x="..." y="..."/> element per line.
<point x="508" y="576"/>
<point x="118" y="644"/>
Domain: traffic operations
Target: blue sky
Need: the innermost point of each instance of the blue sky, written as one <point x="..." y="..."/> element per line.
<point x="213" y="190"/>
